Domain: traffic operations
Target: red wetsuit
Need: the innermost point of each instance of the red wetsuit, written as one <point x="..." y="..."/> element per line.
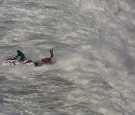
<point x="46" y="60"/>
<point x="49" y="59"/>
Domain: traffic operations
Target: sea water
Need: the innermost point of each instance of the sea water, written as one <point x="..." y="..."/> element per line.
<point x="94" y="50"/>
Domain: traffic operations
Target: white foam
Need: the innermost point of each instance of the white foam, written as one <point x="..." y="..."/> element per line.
<point x="93" y="45"/>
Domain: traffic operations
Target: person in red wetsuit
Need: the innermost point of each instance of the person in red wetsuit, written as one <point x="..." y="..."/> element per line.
<point x="49" y="59"/>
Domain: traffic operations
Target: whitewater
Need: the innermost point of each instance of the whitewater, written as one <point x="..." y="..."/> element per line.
<point x="94" y="50"/>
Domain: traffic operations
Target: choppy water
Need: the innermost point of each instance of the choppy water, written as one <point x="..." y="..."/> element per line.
<point x="94" y="47"/>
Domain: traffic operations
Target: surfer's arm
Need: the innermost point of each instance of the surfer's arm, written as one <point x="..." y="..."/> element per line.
<point x="16" y="56"/>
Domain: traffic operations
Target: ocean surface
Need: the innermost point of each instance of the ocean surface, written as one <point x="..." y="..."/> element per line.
<point x="94" y="50"/>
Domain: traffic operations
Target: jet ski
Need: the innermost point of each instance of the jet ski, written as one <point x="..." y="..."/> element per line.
<point x="12" y="61"/>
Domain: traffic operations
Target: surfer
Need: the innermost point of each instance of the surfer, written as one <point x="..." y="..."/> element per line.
<point x="48" y="59"/>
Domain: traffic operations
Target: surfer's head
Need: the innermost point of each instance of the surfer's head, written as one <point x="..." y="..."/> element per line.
<point x="18" y="51"/>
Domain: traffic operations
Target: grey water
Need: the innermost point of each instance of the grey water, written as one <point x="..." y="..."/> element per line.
<point x="94" y="50"/>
